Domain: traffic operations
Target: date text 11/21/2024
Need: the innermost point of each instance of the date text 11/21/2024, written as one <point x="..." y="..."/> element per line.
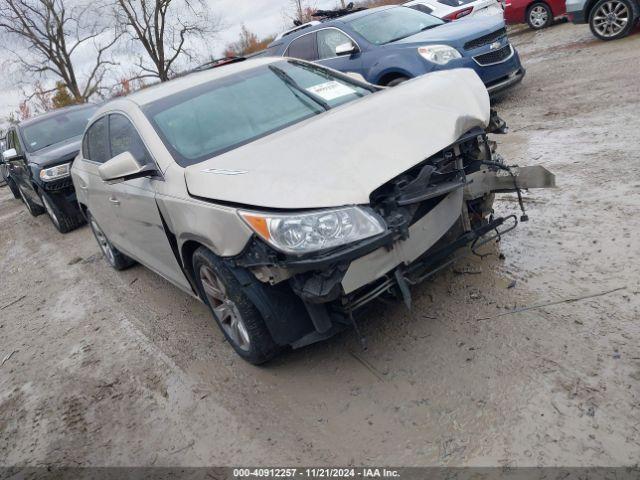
<point x="315" y="473"/>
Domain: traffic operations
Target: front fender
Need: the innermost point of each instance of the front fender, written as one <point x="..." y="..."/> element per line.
<point x="397" y="63"/>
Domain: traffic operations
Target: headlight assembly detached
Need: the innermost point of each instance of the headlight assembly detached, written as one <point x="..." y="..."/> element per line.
<point x="301" y="233"/>
<point x="55" y="173"/>
<point x="440" y="54"/>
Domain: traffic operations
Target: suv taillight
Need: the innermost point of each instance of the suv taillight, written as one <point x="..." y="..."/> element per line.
<point x="459" y="14"/>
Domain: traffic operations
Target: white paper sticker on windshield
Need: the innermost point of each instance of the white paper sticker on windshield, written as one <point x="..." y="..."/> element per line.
<point x="331" y="90"/>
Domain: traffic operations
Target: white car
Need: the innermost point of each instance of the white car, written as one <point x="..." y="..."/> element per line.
<point x="457" y="9"/>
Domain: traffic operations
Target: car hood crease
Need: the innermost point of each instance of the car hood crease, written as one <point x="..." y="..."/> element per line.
<point x="339" y="157"/>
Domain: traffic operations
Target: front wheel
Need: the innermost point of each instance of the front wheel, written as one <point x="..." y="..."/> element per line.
<point x="611" y="19"/>
<point x="238" y="318"/>
<point x="112" y="255"/>
<point x="539" y="16"/>
<point x="14" y="188"/>
<point x="33" y="208"/>
<point x="397" y="81"/>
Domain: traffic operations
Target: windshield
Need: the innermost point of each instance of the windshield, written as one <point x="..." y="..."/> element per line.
<point x="394" y="24"/>
<point x="221" y="115"/>
<point x="56" y="129"/>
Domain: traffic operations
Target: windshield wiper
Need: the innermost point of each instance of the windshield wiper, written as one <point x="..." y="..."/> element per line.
<point x="343" y="77"/>
<point x="286" y="78"/>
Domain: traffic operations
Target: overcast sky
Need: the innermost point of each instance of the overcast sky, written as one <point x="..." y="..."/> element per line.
<point x="264" y="17"/>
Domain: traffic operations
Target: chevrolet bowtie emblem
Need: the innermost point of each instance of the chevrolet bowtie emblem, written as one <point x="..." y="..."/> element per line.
<point x="495" y="45"/>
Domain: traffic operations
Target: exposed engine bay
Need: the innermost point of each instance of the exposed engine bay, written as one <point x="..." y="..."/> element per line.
<point x="432" y="211"/>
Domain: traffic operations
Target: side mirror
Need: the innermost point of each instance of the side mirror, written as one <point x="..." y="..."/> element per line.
<point x="346" y="49"/>
<point x="10" y="154"/>
<point x="123" y="167"/>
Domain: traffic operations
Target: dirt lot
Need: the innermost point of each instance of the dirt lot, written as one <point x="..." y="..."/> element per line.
<point x="115" y="368"/>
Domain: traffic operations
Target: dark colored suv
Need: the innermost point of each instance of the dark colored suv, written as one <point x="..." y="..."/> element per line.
<point x="38" y="159"/>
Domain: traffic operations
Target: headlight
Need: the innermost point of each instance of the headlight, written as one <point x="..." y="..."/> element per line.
<point x="55" y="173"/>
<point x="440" y="54"/>
<point x="300" y="233"/>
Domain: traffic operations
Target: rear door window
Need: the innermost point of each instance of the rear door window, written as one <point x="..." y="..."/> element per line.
<point x="304" y="48"/>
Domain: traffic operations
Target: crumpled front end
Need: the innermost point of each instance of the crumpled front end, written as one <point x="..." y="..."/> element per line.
<point x="431" y="211"/>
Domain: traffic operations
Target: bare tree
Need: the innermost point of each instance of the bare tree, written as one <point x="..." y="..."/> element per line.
<point x="300" y="11"/>
<point x="247" y="43"/>
<point x="47" y="36"/>
<point x="166" y="30"/>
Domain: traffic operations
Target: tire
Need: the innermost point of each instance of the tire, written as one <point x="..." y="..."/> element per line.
<point x="611" y="19"/>
<point x="63" y="222"/>
<point x="14" y="188"/>
<point x="112" y="255"/>
<point x="539" y="15"/>
<point x="397" y="81"/>
<point x="33" y="208"/>
<point x="240" y="321"/>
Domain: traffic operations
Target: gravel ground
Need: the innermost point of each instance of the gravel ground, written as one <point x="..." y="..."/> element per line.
<point x="108" y="368"/>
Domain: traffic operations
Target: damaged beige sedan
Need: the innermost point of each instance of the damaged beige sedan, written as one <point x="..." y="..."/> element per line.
<point x="287" y="196"/>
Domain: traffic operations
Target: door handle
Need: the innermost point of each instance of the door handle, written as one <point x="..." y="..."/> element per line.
<point x="114" y="200"/>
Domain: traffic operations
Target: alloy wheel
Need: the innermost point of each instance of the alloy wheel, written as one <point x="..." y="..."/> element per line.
<point x="539" y="16"/>
<point x="50" y="211"/>
<point x="105" y="246"/>
<point x="224" y="309"/>
<point x="611" y="18"/>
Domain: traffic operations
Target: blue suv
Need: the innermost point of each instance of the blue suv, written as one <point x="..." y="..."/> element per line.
<point x="388" y="45"/>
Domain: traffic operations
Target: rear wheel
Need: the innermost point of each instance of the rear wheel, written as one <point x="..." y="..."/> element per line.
<point x="539" y="15"/>
<point x="112" y="255"/>
<point x="611" y="19"/>
<point x="63" y="222"/>
<point x="33" y="208"/>
<point x="238" y="318"/>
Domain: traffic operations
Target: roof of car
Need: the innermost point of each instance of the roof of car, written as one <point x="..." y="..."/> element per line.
<point x="54" y="113"/>
<point x="292" y="34"/>
<point x="180" y="84"/>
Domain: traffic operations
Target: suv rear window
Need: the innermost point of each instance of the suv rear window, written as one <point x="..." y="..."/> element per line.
<point x="224" y="114"/>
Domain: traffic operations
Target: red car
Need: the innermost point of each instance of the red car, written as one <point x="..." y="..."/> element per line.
<point x="537" y="13"/>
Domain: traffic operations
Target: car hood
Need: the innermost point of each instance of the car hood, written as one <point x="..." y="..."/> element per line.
<point x="457" y="32"/>
<point x="58" y="153"/>
<point x="339" y="157"/>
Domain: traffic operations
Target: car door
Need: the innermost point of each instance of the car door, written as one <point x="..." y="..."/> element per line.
<point x="328" y="39"/>
<point x="91" y="189"/>
<point x="141" y="233"/>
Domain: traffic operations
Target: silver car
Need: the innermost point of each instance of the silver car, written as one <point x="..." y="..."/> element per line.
<point x="286" y="195"/>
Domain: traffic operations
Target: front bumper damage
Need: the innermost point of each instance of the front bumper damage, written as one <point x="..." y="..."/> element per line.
<point x="437" y="211"/>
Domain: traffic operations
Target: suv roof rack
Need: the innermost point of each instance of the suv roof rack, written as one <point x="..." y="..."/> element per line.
<point x="297" y="28"/>
<point x="338" y="12"/>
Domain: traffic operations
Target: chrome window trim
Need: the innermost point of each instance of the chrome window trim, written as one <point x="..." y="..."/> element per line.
<point x="316" y="31"/>
<point x="126" y="115"/>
